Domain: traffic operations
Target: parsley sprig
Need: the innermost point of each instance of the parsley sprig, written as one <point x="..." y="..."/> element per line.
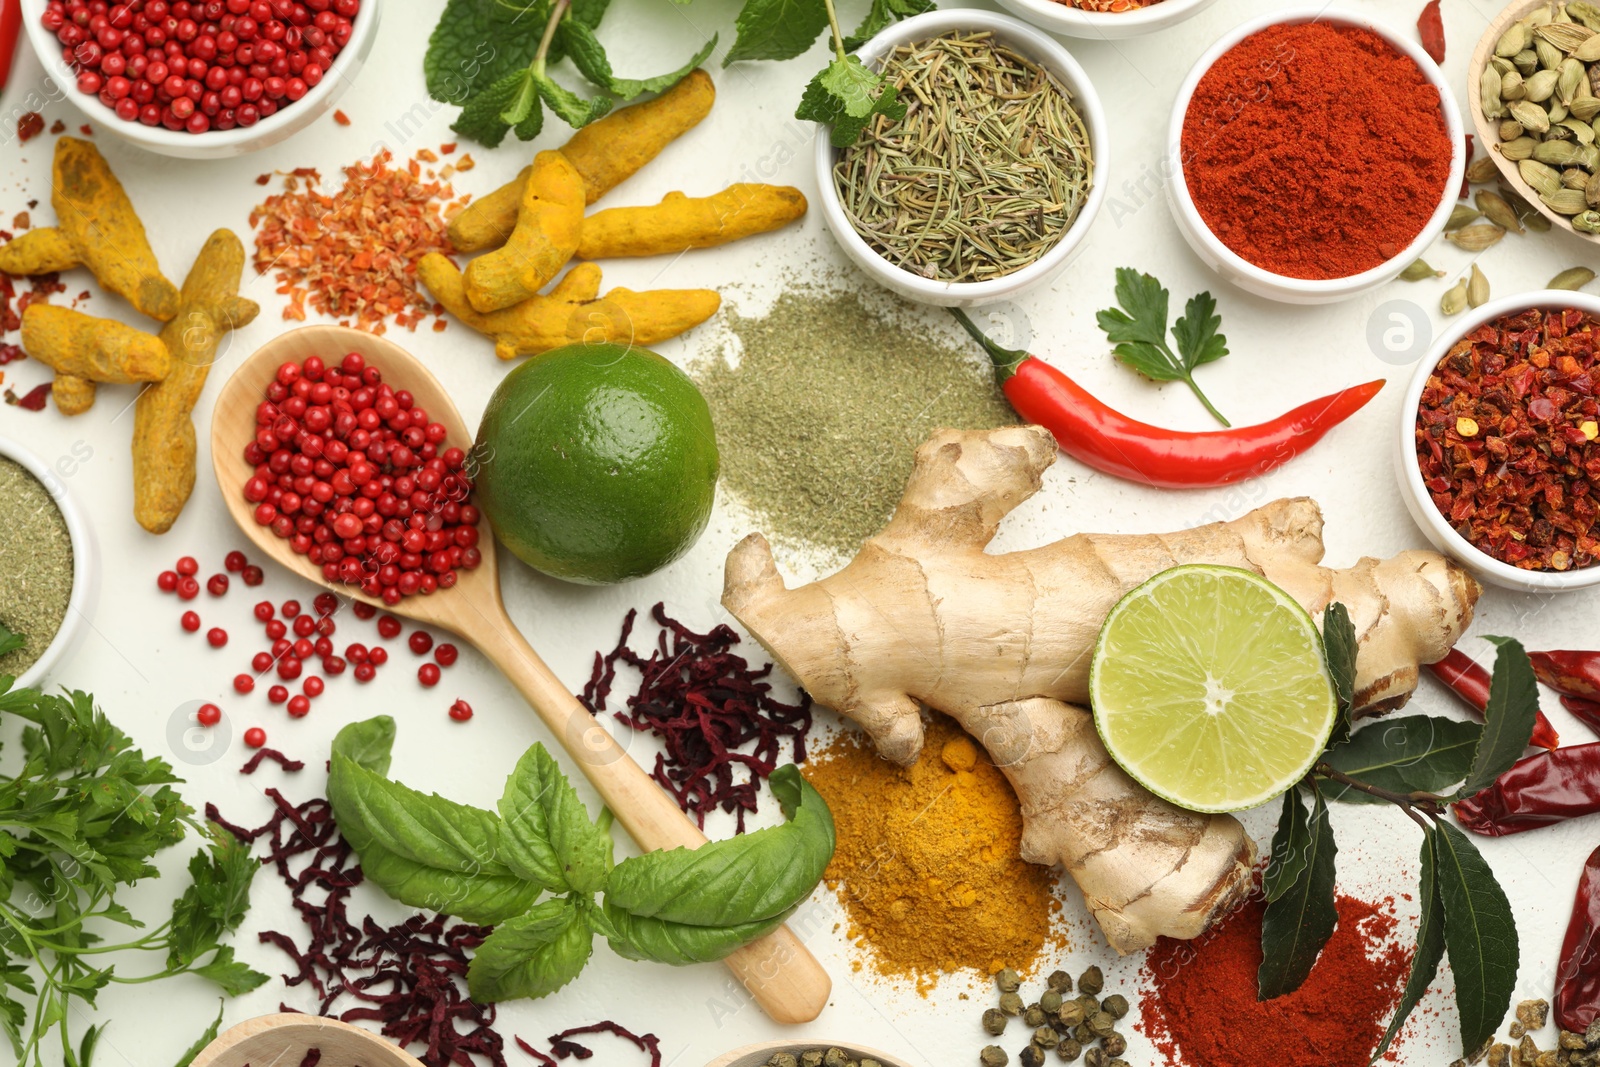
<point x="1139" y="330"/>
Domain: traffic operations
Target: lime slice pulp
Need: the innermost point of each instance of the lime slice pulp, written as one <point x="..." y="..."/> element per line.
<point x="1209" y="687"/>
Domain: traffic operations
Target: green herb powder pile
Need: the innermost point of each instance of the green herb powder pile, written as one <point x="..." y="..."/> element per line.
<point x="831" y="397"/>
<point x="35" y="565"/>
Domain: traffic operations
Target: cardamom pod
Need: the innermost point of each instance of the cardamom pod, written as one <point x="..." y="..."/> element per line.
<point x="1574" y="178"/>
<point x="1477" y="288"/>
<point x="1590" y="157"/>
<point x="1586" y="108"/>
<point x="1546" y="55"/>
<point x="1481" y="170"/>
<point x="1587" y="222"/>
<point x="1540" y="87"/>
<point x="1581" y="131"/>
<point x="1489" y="94"/>
<point x="1585" y="13"/>
<point x="1460" y="216"/>
<point x="1533" y="117"/>
<point x="1512" y="86"/>
<point x="1564" y="35"/>
<point x="1503" y="65"/>
<point x="1588" y="51"/>
<point x="1565" y="201"/>
<point x="1541" y="178"/>
<point x="1526" y="62"/>
<point x="1570" y="75"/>
<point x="1557" y="110"/>
<point x="1558" y="153"/>
<point x="1542" y="15"/>
<point x="1516" y="39"/>
<point x="1476" y="238"/>
<point x="1419" y="271"/>
<point x="1454" y="300"/>
<point x="1591" y="191"/>
<point x="1537" y="222"/>
<point x="1572" y="278"/>
<point x="1495" y="208"/>
<point x="1519" y="149"/>
<point x="1559" y="131"/>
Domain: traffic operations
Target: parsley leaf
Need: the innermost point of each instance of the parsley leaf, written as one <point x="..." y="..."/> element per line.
<point x="846" y="96"/>
<point x="9" y="642"/>
<point x="776" y="29"/>
<point x="1138" y="328"/>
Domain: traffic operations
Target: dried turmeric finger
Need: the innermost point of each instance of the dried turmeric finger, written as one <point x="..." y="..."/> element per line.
<point x="101" y="350"/>
<point x="570" y="312"/>
<point x="105" y="233"/>
<point x="681" y="222"/>
<point x="73" y="395"/>
<point x="605" y="153"/>
<point x="163" y="433"/>
<point x="549" y="222"/>
<point x="42" y="251"/>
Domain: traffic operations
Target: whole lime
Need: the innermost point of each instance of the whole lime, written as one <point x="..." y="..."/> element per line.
<point x="597" y="463"/>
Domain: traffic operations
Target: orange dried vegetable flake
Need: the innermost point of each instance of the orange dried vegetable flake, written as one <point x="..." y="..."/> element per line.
<point x="351" y="255"/>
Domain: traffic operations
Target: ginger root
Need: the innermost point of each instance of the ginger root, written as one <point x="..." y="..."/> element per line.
<point x="102" y="350"/>
<point x="1002" y="642"/>
<point x="96" y="227"/>
<point x="680" y="222"/>
<point x="549" y="220"/>
<point x="605" y="152"/>
<point x="163" y="433"/>
<point x="571" y="312"/>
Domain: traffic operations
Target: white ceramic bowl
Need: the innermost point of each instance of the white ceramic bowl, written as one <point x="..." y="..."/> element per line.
<point x="1420" y="504"/>
<point x="1042" y="50"/>
<point x="85" y="563"/>
<point x="213" y="144"/>
<point x="1246" y="275"/>
<point x="1101" y="26"/>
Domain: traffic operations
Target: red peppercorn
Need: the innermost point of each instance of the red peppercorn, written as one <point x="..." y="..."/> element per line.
<point x="420" y="641"/>
<point x="363" y="610"/>
<point x="208" y="715"/>
<point x="445" y="653"/>
<point x="167" y="581"/>
<point x="243" y="683"/>
<point x="278" y="694"/>
<point x="255" y="737"/>
<point x="325" y="604"/>
<point x="333" y="664"/>
<point x="428" y="674"/>
<point x="303" y="648"/>
<point x="312" y="686"/>
<point x="461" y="711"/>
<point x="290" y="608"/>
<point x="262" y="661"/>
<point x="217" y="584"/>
<point x="355" y="652"/>
<point x="252" y="575"/>
<point x="188" y="588"/>
<point x="216" y="637"/>
<point x="264" y="610"/>
<point x="234" y="561"/>
<point x="289" y="668"/>
<point x="377" y="655"/>
<point x="364" y="672"/>
<point x="190" y="621"/>
<point x="299" y="706"/>
<point x="388" y="627"/>
<point x="304" y="625"/>
<point x="276" y="629"/>
<point x="188" y="566"/>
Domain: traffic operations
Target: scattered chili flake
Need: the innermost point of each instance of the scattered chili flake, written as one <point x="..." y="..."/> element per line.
<point x="1503" y="443"/>
<point x="447" y="149"/>
<point x="29" y="125"/>
<point x="275" y="756"/>
<point x="705" y="703"/>
<point x="11" y="353"/>
<point x="58" y="127"/>
<point x="86" y="129"/>
<point x="33" y="400"/>
<point x="264" y="179"/>
<point x="353" y="255"/>
<point x="466" y="163"/>
<point x="341" y="118"/>
<point x="21" y="220"/>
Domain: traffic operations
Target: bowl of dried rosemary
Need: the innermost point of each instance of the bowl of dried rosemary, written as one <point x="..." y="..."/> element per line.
<point x="988" y="184"/>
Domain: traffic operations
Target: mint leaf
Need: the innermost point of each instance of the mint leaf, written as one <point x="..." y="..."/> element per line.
<point x="1480" y="935"/>
<point x="881" y="15"/>
<point x="546" y="835"/>
<point x="532" y="955"/>
<point x="9" y="642"/>
<point x="1298" y="924"/>
<point x="475" y="44"/>
<point x="776" y="29"/>
<point x="532" y="123"/>
<point x="574" y="110"/>
<point x="1508" y="719"/>
<point x="846" y="96"/>
<point x="1138" y="329"/>
<point x="587" y="12"/>
<point x="481" y="119"/>
<point x="589" y="56"/>
<point x="522" y="102"/>
<point x="1290" y="848"/>
<point x="1339" y="649"/>
<point x="1414" y="753"/>
<point x="1430" y="943"/>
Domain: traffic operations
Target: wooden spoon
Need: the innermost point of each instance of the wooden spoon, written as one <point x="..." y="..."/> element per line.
<point x="782" y="976"/>
<point x="758" y="1055"/>
<point x="283" y="1040"/>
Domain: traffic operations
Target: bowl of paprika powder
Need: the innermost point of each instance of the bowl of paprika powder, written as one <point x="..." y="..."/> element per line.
<point x="1313" y="155"/>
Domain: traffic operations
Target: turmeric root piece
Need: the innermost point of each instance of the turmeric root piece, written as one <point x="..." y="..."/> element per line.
<point x="681" y="222"/>
<point x="101" y="350"/>
<point x="549" y="221"/>
<point x="163" y="433"/>
<point x="605" y="153"/>
<point x="571" y="312"/>
<point x="73" y="395"/>
<point x="1002" y="642"/>
<point x="96" y="227"/>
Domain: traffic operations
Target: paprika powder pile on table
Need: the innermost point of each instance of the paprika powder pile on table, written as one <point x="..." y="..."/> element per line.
<point x="1316" y="150"/>
<point x="1199" y="1006"/>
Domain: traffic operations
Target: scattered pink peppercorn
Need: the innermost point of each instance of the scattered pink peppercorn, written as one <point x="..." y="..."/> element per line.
<point x="190" y="621"/>
<point x="461" y="711"/>
<point x="388" y="627"/>
<point x="188" y="588"/>
<point x="243" y="683"/>
<point x="252" y="575"/>
<point x="278" y="694"/>
<point x="363" y="610"/>
<point x="216" y="637"/>
<point x="377" y="655"/>
<point x="445" y="653"/>
<point x="264" y="611"/>
<point x="255" y="737"/>
<point x="428" y="674"/>
<point x="312" y="686"/>
<point x="167" y="581"/>
<point x="289" y="668"/>
<point x="217" y="584"/>
<point x="364" y="672"/>
<point x="420" y="641"/>
<point x="304" y="625"/>
<point x="188" y="566"/>
<point x="290" y="609"/>
<point x="262" y="662"/>
<point x="299" y="706"/>
<point x="325" y="604"/>
<point x="234" y="562"/>
<point x="208" y="715"/>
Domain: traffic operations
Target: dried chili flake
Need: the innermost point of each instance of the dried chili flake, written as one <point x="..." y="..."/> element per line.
<point x="706" y="704"/>
<point x="30" y="124"/>
<point x="11" y="353"/>
<point x="22" y="220"/>
<point x="86" y="129"/>
<point x="353" y="254"/>
<point x="341" y="118"/>
<point x="1504" y="444"/>
<point x="32" y="400"/>
<point x="275" y="756"/>
<point x="58" y="127"/>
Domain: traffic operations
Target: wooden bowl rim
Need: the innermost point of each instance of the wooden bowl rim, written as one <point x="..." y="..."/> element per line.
<point x="307" y="1032"/>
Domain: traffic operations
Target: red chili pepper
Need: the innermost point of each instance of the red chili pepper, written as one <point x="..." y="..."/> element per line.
<point x="1467" y="679"/>
<point x="1573" y="674"/>
<point x="1543" y="789"/>
<point x="1585" y="711"/>
<point x="1577" y="1000"/>
<point x="1431" y="27"/>
<point x="1109" y="441"/>
<point x="10" y="26"/>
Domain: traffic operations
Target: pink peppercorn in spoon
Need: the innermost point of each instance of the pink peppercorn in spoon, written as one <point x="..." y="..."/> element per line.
<point x="783" y="977"/>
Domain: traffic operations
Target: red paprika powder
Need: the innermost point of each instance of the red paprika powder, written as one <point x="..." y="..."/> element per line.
<point x="1199" y="1007"/>
<point x="1316" y="150"/>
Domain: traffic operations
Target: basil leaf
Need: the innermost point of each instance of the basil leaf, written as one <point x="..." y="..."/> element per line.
<point x="776" y="29"/>
<point x="532" y="955"/>
<point x="1414" y="753"/>
<point x="546" y="836"/>
<point x="589" y="56"/>
<point x="636" y="937"/>
<point x="1480" y="935"/>
<point x="742" y="880"/>
<point x="1339" y="648"/>
<point x="1430" y="943"/>
<point x="574" y="110"/>
<point x="424" y="828"/>
<point x="1298" y="924"/>
<point x="881" y="15"/>
<point x="1509" y="718"/>
<point x="1290" y="847"/>
<point x="482" y="899"/>
<point x="845" y="95"/>
<point x="368" y="743"/>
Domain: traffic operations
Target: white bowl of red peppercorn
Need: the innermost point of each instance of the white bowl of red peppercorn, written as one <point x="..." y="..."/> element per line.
<point x="1573" y="416"/>
<point x="313" y="49"/>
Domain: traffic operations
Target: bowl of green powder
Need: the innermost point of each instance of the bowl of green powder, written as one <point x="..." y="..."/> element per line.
<point x="47" y="565"/>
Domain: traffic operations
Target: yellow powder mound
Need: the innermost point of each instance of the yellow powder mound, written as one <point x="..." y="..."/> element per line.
<point x="927" y="866"/>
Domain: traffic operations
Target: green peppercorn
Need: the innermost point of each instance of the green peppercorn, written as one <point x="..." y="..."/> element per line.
<point x="1116" y="1005"/>
<point x="993" y="1056"/>
<point x="1114" y="1044"/>
<point x="1032" y="1056"/>
<point x="1060" y="981"/>
<point x="869" y="1062"/>
<point x="1084" y="1035"/>
<point x="783" y="1059"/>
<point x="1072" y="1013"/>
<point x="1050" y="1001"/>
<point x="1118" y="1063"/>
<point x="812" y="1058"/>
<point x="835" y="1057"/>
<point x="1008" y="980"/>
<point x="1010" y="1003"/>
<point x="994" y="1021"/>
<point x="1096" y="1057"/>
<point x="1069" y="1050"/>
<point x="1034" y="1016"/>
<point x="1046" y="1037"/>
<point x="1092" y="981"/>
<point x="1101" y="1023"/>
<point x="1090" y="1003"/>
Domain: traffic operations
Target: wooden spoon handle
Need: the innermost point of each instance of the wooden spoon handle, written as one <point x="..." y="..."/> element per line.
<point x="778" y="970"/>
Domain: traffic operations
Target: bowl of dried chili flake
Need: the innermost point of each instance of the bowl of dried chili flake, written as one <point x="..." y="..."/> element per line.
<point x="1498" y="459"/>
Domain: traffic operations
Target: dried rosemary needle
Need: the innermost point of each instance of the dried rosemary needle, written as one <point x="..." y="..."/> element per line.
<point x="984" y="174"/>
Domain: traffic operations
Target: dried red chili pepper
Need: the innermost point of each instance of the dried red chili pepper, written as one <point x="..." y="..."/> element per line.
<point x="10" y="26"/>
<point x="1466" y="186"/>
<point x="33" y="400"/>
<point x="1573" y="674"/>
<point x="1577" y="1000"/>
<point x="1541" y="790"/>
<point x="1467" y="679"/>
<point x="1107" y="440"/>
<point x="1430" y="25"/>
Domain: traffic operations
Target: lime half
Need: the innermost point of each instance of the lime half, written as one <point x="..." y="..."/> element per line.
<point x="1210" y="689"/>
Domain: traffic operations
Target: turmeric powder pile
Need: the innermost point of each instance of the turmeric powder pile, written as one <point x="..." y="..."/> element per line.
<point x="927" y="865"/>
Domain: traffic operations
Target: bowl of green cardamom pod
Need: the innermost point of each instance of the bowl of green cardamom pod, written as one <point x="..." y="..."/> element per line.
<point x="1535" y="96"/>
